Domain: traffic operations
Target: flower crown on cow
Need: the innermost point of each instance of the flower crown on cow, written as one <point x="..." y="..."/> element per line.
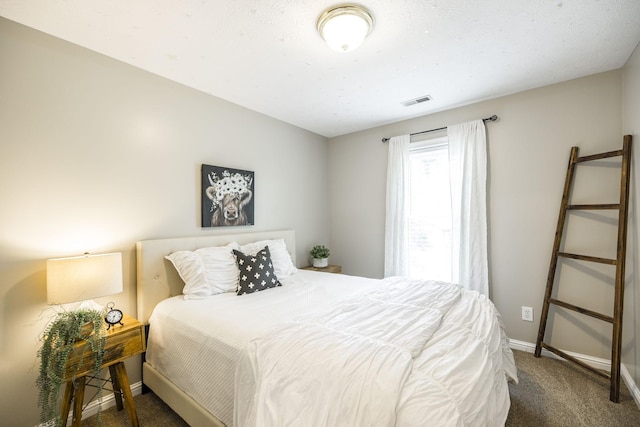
<point x="229" y="184"/>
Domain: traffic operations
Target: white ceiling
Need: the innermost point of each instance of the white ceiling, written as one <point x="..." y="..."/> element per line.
<point x="266" y="55"/>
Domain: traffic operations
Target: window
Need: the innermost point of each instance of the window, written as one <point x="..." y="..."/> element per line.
<point x="430" y="211"/>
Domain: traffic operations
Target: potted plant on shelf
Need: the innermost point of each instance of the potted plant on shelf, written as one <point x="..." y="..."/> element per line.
<point x="58" y="344"/>
<point x="320" y="255"/>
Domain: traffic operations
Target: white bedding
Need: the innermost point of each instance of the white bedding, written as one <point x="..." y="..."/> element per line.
<point x="449" y="371"/>
<point x="195" y="343"/>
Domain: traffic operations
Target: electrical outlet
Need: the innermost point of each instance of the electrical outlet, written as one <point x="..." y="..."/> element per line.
<point x="527" y="313"/>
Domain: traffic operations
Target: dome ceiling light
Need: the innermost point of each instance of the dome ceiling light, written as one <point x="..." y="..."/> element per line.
<point x="345" y="27"/>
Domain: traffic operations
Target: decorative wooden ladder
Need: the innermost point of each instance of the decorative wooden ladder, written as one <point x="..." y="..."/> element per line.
<point x="618" y="262"/>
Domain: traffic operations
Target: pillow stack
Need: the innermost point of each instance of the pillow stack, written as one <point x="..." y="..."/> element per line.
<point x="232" y="268"/>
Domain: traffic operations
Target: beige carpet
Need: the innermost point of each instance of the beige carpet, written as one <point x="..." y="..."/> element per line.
<point x="556" y="393"/>
<point x="550" y="393"/>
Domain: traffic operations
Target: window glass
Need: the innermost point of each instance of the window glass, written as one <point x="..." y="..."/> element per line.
<point x="430" y="212"/>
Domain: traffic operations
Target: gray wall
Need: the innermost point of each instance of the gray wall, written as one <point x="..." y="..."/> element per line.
<point x="631" y="126"/>
<point x="95" y="155"/>
<point x="528" y="152"/>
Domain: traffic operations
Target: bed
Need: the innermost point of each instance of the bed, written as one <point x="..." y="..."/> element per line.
<point x="224" y="357"/>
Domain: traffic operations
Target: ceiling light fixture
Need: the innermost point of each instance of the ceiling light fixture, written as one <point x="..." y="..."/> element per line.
<point x="345" y="27"/>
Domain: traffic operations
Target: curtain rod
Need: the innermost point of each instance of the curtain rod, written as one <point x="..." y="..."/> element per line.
<point x="488" y="119"/>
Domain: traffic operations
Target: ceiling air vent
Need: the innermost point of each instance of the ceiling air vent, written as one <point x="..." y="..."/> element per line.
<point x="415" y="101"/>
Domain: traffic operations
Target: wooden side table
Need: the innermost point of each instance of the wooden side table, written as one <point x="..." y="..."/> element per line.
<point x="328" y="269"/>
<point x="122" y="342"/>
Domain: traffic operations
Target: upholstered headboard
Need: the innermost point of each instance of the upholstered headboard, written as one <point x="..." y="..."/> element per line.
<point x="157" y="279"/>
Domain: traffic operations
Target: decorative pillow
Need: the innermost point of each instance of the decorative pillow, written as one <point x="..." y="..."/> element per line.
<point x="283" y="266"/>
<point x="206" y="271"/>
<point x="256" y="271"/>
<point x="191" y="271"/>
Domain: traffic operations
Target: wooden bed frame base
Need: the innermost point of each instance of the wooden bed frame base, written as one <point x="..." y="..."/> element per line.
<point x="190" y="411"/>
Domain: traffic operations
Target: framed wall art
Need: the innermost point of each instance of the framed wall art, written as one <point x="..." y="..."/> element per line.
<point x="227" y="196"/>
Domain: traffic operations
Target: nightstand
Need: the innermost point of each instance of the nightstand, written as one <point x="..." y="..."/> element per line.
<point x="122" y="342"/>
<point x="328" y="269"/>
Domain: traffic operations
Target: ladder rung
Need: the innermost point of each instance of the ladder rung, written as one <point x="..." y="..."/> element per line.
<point x="588" y="258"/>
<point x="581" y="310"/>
<point x="600" y="156"/>
<point x="574" y="360"/>
<point x="595" y="206"/>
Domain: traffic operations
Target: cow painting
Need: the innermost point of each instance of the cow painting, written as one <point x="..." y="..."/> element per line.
<point x="227" y="198"/>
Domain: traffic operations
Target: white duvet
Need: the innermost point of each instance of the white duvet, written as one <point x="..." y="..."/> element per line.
<point x="362" y="363"/>
<point x="372" y="353"/>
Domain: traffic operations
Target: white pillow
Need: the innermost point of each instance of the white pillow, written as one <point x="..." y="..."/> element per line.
<point x="283" y="266"/>
<point x="206" y="271"/>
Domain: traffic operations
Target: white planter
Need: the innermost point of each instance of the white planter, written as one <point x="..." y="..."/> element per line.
<point x="320" y="262"/>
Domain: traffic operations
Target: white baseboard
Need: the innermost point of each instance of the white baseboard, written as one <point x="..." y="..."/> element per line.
<point x="631" y="385"/>
<point x="107" y="401"/>
<point x="594" y="362"/>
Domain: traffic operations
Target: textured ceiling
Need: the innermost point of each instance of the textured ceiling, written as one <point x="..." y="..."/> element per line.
<point x="266" y="55"/>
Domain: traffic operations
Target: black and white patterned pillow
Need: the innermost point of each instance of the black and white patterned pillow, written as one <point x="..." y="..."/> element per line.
<point x="256" y="271"/>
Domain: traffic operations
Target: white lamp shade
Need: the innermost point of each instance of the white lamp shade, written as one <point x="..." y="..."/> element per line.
<point x="83" y="277"/>
<point x="345" y="28"/>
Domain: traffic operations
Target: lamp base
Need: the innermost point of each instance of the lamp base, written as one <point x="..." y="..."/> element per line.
<point x="90" y="305"/>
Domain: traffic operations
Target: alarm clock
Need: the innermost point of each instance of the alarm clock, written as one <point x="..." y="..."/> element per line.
<point x="113" y="316"/>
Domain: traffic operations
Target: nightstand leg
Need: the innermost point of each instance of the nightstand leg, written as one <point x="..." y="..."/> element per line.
<point x="78" y="400"/>
<point x="123" y="381"/>
<point x="117" y="390"/>
<point x="66" y="403"/>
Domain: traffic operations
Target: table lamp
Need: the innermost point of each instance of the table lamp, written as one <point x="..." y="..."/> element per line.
<point x="83" y="278"/>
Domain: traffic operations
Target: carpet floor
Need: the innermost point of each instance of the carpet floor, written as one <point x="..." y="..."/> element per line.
<point x="550" y="393"/>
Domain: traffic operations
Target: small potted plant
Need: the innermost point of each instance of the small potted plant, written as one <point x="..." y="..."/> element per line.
<point x="320" y="255"/>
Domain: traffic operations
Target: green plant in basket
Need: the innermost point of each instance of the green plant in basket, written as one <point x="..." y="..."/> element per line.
<point x="58" y="340"/>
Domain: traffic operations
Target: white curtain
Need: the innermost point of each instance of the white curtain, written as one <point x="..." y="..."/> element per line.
<point x="396" y="246"/>
<point x="468" y="173"/>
